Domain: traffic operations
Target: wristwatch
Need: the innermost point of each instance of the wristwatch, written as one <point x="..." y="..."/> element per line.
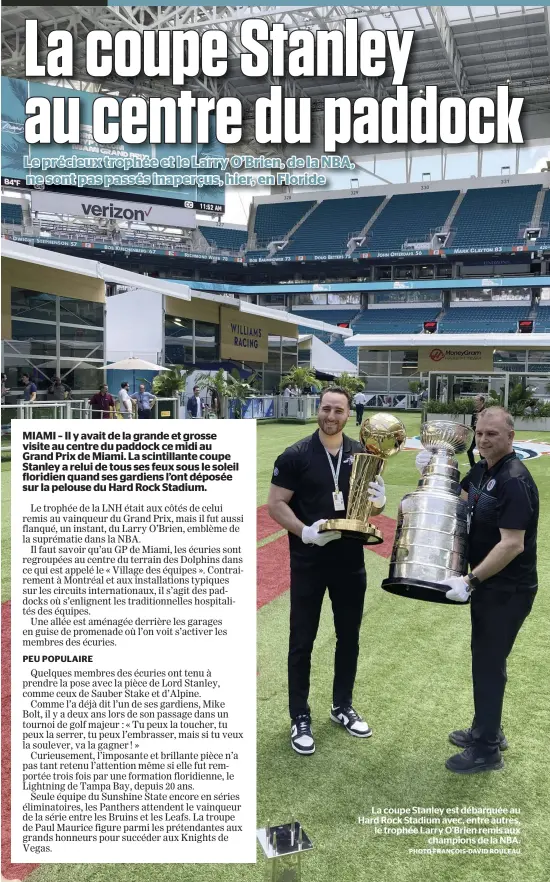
<point x="473" y="581"/>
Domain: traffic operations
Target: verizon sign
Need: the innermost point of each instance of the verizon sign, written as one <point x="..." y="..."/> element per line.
<point x="112" y="209"/>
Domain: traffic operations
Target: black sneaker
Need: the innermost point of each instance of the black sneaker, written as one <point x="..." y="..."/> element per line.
<point x="350" y="720"/>
<point x="301" y="737"/>
<point x="463" y="738"/>
<point x="471" y="761"/>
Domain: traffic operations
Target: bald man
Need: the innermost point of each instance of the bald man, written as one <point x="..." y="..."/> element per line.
<point x="501" y="586"/>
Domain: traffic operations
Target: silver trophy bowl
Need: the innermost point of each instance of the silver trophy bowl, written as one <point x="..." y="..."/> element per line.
<point x="432" y="524"/>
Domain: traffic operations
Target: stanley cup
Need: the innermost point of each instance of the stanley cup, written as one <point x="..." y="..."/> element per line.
<point x="432" y="528"/>
<point x="382" y="435"/>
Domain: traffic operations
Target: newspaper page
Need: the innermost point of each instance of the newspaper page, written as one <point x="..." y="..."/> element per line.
<point x="272" y="605"/>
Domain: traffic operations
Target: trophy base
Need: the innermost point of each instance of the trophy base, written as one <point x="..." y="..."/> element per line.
<point x="351" y="528"/>
<point x="419" y="589"/>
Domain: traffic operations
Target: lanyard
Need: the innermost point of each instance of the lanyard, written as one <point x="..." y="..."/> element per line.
<point x="335" y="473"/>
<point x="479" y="491"/>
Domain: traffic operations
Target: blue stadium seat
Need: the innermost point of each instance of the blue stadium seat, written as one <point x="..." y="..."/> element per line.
<point x="274" y="220"/>
<point x="400" y="320"/>
<point x="544" y="241"/>
<point x="410" y="217"/>
<point x="327" y="230"/>
<point x="349" y="352"/>
<point x="330" y="316"/>
<point x="11" y="213"/>
<point x="492" y="216"/>
<point x="476" y="319"/>
<point x="542" y="320"/>
<point x="222" y="237"/>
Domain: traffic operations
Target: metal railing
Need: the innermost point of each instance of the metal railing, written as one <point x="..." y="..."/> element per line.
<point x="304" y="407"/>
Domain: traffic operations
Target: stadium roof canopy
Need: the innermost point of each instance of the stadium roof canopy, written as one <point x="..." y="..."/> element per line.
<point x="130" y="280"/>
<point x="464" y="50"/>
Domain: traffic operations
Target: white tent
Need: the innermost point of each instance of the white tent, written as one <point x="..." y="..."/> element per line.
<point x="326" y="360"/>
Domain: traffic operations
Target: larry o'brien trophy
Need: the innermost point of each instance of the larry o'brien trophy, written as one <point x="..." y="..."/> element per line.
<point x="382" y="435"/>
<point x="283" y="846"/>
<point x="432" y="524"/>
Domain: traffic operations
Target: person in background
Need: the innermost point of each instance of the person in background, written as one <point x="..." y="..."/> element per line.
<point x="287" y="393"/>
<point x="215" y="402"/>
<point x="29" y="392"/>
<point x="194" y="404"/>
<point x="125" y="404"/>
<point x="5" y="388"/>
<point x="145" y="402"/>
<point x="359" y="399"/>
<point x="58" y="391"/>
<point x="479" y="407"/>
<point x="102" y="404"/>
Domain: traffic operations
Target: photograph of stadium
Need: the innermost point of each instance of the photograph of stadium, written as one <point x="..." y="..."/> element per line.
<point x="416" y="281"/>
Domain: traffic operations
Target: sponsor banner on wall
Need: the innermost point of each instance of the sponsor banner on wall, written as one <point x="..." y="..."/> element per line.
<point x="454" y="358"/>
<point x="243" y="337"/>
<point x="112" y="209"/>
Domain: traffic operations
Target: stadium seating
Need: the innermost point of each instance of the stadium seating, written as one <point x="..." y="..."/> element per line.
<point x="410" y="217"/>
<point x="224" y="238"/>
<point x="330" y="316"/>
<point x="349" y="352"/>
<point x="544" y="241"/>
<point x="542" y="320"/>
<point x="274" y="220"/>
<point x="11" y="213"/>
<point x="394" y="321"/>
<point x="493" y="216"/>
<point x="477" y="319"/>
<point x="327" y="230"/>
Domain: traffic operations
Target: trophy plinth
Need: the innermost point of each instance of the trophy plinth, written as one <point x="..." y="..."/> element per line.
<point x="432" y="532"/>
<point x="354" y="529"/>
<point x="283" y="846"/>
<point x="382" y="435"/>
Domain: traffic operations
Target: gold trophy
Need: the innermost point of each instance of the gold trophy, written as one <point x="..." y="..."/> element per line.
<point x="382" y="435"/>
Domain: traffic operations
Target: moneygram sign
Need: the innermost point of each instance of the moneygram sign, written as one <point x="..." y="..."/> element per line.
<point x="111" y="209"/>
<point x="447" y="358"/>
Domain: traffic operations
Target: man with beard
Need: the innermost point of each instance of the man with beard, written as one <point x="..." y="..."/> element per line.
<point x="310" y="484"/>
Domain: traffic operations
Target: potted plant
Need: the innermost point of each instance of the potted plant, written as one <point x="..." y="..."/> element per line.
<point x="300" y="377"/>
<point x="228" y="386"/>
<point x="170" y="384"/>
<point x="351" y="384"/>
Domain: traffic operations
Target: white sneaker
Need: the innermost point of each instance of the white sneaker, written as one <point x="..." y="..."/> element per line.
<point x="301" y="737"/>
<point x="350" y="720"/>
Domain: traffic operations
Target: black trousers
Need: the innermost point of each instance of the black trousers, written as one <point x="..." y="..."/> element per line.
<point x="497" y="617"/>
<point x="359" y="408"/>
<point x="144" y="415"/>
<point x="347" y="594"/>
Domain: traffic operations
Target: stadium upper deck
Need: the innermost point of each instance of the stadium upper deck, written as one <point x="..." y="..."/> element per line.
<point x="435" y="220"/>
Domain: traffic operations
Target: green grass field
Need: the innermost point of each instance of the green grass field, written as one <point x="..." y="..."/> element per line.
<point x="413" y="686"/>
